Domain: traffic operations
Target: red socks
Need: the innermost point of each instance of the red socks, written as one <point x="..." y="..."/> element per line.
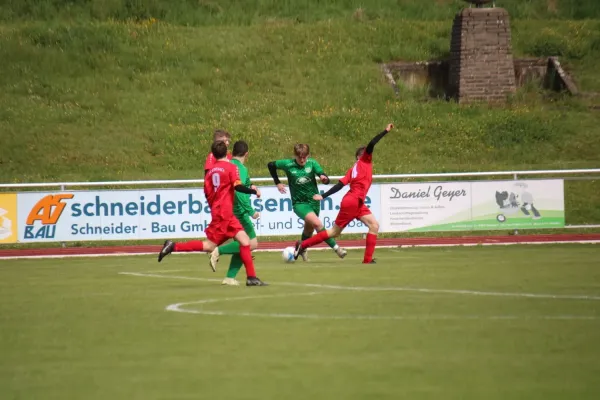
<point x="247" y="260"/>
<point x="318" y="238"/>
<point x="370" y="249"/>
<point x="192" y="245"/>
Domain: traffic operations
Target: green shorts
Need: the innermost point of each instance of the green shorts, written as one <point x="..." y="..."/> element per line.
<point x="247" y="224"/>
<point x="303" y="209"/>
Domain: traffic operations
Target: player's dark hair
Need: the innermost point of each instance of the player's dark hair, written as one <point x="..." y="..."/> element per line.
<point x="360" y="151"/>
<point x="301" y="149"/>
<point x="240" y="148"/>
<point x="219" y="150"/>
<point x="221" y="134"/>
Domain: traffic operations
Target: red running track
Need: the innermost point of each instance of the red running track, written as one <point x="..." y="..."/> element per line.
<point x="392" y="242"/>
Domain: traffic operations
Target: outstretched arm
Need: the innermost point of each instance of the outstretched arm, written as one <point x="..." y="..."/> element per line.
<point x="243" y="189"/>
<point x="273" y="172"/>
<point x="373" y="142"/>
<point x="333" y="190"/>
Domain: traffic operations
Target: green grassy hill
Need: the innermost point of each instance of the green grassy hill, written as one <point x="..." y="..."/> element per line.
<point x="128" y="89"/>
<point x="243" y="12"/>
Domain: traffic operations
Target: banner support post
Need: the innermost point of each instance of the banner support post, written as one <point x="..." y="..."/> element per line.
<point x="516" y="232"/>
<point x="62" y="244"/>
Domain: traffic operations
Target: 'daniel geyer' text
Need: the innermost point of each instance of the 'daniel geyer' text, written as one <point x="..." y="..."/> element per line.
<point x="438" y="193"/>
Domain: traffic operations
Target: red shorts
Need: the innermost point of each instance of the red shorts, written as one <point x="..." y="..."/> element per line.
<point x="221" y="230"/>
<point x="351" y="208"/>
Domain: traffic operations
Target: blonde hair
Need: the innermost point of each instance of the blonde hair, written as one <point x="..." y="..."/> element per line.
<point x="301" y="150"/>
<point x="221" y="134"/>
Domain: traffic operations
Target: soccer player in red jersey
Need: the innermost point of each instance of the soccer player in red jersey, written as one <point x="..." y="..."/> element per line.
<point x="359" y="177"/>
<point x="219" y="185"/>
<point x="218" y="136"/>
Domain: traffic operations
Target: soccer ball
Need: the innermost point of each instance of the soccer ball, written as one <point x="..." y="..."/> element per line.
<point x="288" y="255"/>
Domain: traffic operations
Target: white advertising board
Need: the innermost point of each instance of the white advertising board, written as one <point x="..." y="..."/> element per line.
<point x="463" y="206"/>
<point x="154" y="214"/>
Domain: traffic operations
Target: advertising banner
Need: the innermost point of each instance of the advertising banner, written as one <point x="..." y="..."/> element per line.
<point x="184" y="213"/>
<point x="155" y="214"/>
<point x="461" y="206"/>
<point x="8" y="218"/>
<point x="423" y="206"/>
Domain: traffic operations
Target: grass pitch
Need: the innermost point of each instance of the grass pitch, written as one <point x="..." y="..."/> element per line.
<point x="464" y="322"/>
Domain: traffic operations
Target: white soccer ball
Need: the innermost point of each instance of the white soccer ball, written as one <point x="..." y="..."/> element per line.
<point x="288" y="255"/>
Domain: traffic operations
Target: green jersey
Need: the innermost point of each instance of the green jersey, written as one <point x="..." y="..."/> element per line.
<point x="301" y="180"/>
<point x="241" y="204"/>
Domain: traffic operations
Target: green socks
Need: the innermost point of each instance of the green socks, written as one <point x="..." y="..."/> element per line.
<point x="230" y="248"/>
<point x="330" y="242"/>
<point x="235" y="265"/>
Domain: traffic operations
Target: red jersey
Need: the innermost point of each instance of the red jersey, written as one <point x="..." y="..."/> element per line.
<point x="210" y="160"/>
<point x="219" y="189"/>
<point x="360" y="177"/>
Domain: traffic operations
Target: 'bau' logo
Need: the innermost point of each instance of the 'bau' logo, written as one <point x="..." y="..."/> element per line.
<point x="8" y="218"/>
<point x="5" y="224"/>
<point x="47" y="212"/>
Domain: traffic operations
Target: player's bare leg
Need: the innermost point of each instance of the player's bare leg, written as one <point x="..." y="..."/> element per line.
<point x="307" y="233"/>
<point x="370" y="221"/>
<point x="317" y="225"/>
<point x="246" y="256"/>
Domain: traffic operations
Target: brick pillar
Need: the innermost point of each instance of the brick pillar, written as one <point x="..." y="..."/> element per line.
<point x="481" y="62"/>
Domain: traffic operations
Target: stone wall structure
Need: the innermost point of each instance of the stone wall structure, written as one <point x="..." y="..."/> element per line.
<point x="481" y="62"/>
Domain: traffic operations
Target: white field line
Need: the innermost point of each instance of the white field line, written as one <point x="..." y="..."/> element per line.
<point x="179" y="307"/>
<point x="73" y="256"/>
<point x="387" y="289"/>
<point x="312" y="249"/>
<point x="122" y="254"/>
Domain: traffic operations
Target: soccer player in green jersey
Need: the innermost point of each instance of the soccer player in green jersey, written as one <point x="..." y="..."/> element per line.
<point x="302" y="173"/>
<point x="244" y="212"/>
